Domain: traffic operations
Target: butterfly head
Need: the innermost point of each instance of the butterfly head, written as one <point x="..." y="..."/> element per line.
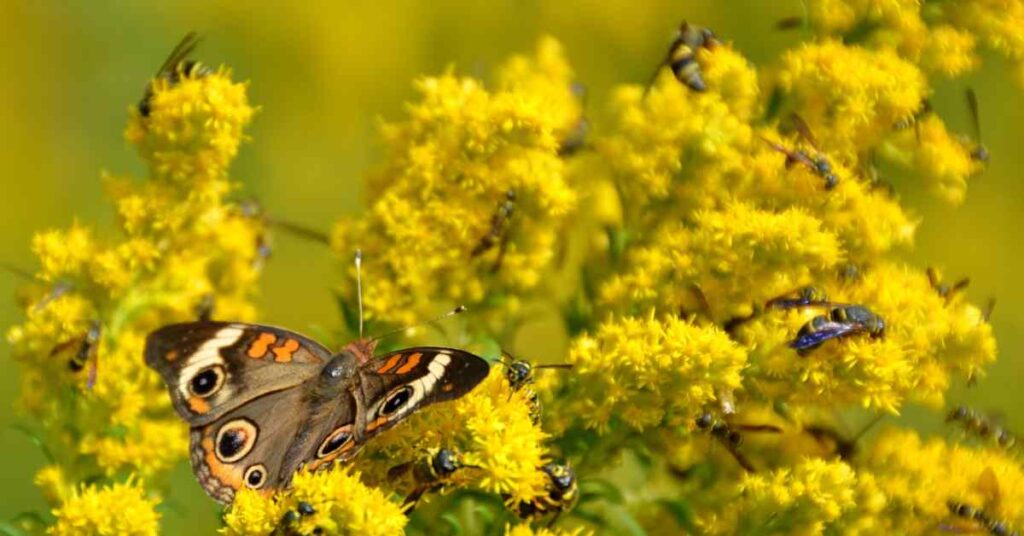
<point x="341" y="367"/>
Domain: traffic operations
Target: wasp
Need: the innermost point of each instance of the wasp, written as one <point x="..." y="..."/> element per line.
<point x="498" y="232"/>
<point x="842" y="446"/>
<point x="175" y="69"/>
<point x="978" y="424"/>
<point x="976" y="517"/>
<point x="978" y="150"/>
<point x="841" y="321"/>
<point x="682" y="56"/>
<point x="431" y="472"/>
<point x="727" y="434"/>
<point x="562" y="494"/>
<point x="84" y="351"/>
<point x="519" y="375"/>
<point x="816" y="163"/>
<point x="946" y="290"/>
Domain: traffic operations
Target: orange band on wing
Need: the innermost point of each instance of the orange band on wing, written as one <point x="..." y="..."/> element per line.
<point x="226" y="474"/>
<point x="283" y="353"/>
<point x="391" y="363"/>
<point x="410" y="363"/>
<point x="259" y="347"/>
<point x="377" y="423"/>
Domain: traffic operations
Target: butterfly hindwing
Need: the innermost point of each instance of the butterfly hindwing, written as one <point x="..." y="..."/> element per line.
<point x="395" y="385"/>
<point x="246" y="447"/>
<point x="213" y="367"/>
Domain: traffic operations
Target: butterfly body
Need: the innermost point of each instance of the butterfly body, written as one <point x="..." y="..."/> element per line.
<point x="264" y="402"/>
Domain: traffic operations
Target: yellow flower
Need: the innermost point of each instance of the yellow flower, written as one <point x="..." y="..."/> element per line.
<point x="194" y="127"/>
<point x="526" y="530"/>
<point x="639" y="371"/>
<point x="481" y="147"/>
<point x="342" y="505"/>
<point x="89" y="511"/>
<point x="949" y="51"/>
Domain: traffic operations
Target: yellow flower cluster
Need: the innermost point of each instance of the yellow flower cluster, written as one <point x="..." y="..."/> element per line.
<point x="920" y="478"/>
<point x="941" y="37"/>
<point x="120" y="508"/>
<point x="102" y="412"/>
<point x="341" y="503"/>
<point x="649" y="372"/>
<point x="473" y="198"/>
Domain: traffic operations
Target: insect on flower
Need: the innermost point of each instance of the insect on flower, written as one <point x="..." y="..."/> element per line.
<point x="816" y="162"/>
<point x="841" y="321"/>
<point x="969" y="518"/>
<point x="836" y="442"/>
<point x="431" y="472"/>
<point x="498" y="232"/>
<point x="727" y="434"/>
<point x="682" y="56"/>
<point x="284" y="527"/>
<point x="519" y="374"/>
<point x="174" y="69"/>
<point x="980" y="425"/>
<point x="83" y="351"/>
<point x="562" y="494"/>
<point x="946" y="290"/>
<point x="803" y="297"/>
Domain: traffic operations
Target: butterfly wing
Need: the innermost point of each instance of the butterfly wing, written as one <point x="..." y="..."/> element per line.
<point x="211" y="368"/>
<point x="397" y="384"/>
<point x="247" y="447"/>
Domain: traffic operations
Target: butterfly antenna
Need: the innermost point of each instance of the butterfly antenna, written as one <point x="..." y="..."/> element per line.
<point x="453" y="312"/>
<point x="359" y="288"/>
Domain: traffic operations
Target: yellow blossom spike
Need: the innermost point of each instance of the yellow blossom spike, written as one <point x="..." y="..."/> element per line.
<point x="88" y="511"/>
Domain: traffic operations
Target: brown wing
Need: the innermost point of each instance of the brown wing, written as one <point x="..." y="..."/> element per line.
<point x="247" y="446"/>
<point x="213" y="367"/>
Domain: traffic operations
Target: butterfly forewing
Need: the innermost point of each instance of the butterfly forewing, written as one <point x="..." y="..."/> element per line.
<point x="404" y="381"/>
<point x="213" y="367"/>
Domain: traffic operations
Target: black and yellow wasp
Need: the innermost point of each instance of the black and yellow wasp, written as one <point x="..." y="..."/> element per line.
<point x="816" y="162"/>
<point x="82" y="352"/>
<point x="562" y="492"/>
<point x="840" y="321"/>
<point x="728" y="435"/>
<point x="519" y="375"/>
<point x="978" y="424"/>
<point x="971" y="517"/>
<point x="682" y="55"/>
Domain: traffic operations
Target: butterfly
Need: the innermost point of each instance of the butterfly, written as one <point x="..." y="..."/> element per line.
<point x="265" y="402"/>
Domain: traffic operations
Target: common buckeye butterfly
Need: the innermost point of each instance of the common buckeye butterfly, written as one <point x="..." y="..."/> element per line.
<point x="264" y="402"/>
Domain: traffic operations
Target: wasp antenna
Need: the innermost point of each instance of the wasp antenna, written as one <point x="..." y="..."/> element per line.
<point x="359" y="288"/>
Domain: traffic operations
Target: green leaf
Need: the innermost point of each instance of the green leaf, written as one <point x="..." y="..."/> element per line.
<point x="600" y="489"/>
<point x="681" y="511"/>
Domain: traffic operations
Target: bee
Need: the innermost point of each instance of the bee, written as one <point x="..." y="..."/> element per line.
<point x="175" y="69"/>
<point x="431" y="472"/>
<point x="682" y="56"/>
<point x="727" y="434"/>
<point x="576" y="138"/>
<point x="83" y="349"/>
<point x="978" y="424"/>
<point x="562" y="494"/>
<point x="978" y="150"/>
<point x="519" y="375"/>
<point x="841" y="321"/>
<point x="816" y="162"/>
<point x="976" y="517"/>
<point x="498" y="232"/>
<point x="943" y="289"/>
<point x="285" y="526"/>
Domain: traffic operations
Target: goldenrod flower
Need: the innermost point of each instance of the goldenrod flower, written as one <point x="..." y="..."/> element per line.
<point x="89" y="511"/>
<point x="464" y="142"/>
<point x="342" y="504"/>
<point x="525" y="530"/>
<point x="640" y="371"/>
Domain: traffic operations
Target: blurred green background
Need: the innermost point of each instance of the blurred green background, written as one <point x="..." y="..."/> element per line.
<point x="324" y="73"/>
